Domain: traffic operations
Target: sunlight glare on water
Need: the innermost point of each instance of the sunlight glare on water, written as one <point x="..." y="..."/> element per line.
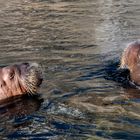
<point x="79" y="44"/>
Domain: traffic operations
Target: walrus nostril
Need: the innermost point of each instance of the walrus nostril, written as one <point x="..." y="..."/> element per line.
<point x="3" y="83"/>
<point x="26" y="63"/>
<point x="11" y="75"/>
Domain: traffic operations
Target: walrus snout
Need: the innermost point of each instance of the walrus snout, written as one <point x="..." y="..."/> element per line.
<point x="35" y="70"/>
<point x="20" y="79"/>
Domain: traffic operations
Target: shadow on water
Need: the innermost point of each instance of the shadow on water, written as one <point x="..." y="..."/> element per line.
<point x="114" y="73"/>
<point x="15" y="112"/>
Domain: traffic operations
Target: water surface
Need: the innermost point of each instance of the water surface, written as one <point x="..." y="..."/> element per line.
<point x="79" y="44"/>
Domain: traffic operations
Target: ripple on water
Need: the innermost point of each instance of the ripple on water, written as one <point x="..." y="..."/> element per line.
<point x="79" y="43"/>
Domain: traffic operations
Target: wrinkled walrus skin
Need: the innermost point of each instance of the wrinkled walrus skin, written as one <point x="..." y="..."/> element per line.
<point x="18" y="79"/>
<point x="131" y="60"/>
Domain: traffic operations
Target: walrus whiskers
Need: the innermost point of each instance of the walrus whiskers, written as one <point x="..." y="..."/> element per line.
<point x="31" y="79"/>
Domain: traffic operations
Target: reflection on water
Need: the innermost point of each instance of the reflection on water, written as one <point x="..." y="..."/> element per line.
<point x="79" y="43"/>
<point x="13" y="112"/>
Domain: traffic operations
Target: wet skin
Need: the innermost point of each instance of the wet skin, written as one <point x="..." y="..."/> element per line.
<point x="13" y="80"/>
<point x="131" y="60"/>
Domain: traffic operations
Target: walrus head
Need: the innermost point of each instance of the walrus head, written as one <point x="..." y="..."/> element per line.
<point x="131" y="60"/>
<point x="20" y="79"/>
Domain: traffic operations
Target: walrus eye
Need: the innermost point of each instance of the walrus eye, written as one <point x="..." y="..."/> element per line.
<point x="11" y="75"/>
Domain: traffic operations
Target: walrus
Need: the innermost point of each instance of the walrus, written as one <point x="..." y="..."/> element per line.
<point x="131" y="60"/>
<point x="18" y="79"/>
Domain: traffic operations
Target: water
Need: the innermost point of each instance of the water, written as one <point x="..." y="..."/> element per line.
<point x="79" y="44"/>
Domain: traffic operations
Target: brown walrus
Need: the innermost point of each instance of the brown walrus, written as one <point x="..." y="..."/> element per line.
<point x="19" y="79"/>
<point x="131" y="60"/>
